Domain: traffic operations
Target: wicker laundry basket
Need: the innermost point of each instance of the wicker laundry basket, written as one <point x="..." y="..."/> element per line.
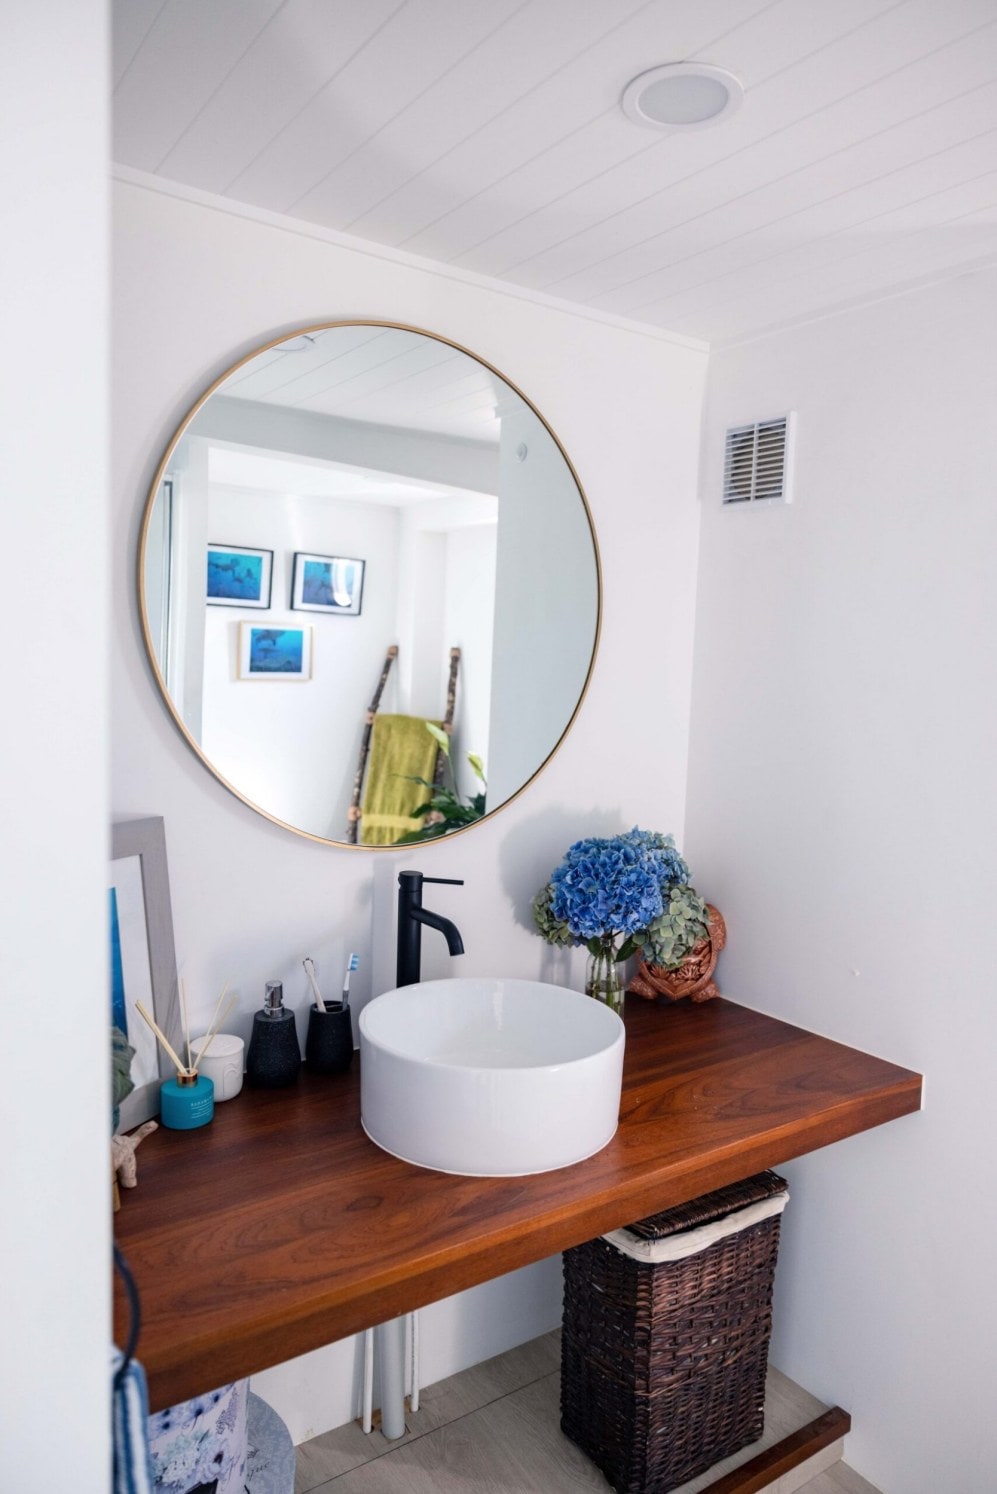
<point x="666" y="1335"/>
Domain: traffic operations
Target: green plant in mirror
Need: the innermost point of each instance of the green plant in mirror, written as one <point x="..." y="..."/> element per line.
<point x="445" y="810"/>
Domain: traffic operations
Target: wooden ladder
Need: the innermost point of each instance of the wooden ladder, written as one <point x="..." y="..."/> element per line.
<point x="353" y="815"/>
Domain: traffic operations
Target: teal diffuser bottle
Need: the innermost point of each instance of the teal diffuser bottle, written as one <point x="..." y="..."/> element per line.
<point x="186" y="1102"/>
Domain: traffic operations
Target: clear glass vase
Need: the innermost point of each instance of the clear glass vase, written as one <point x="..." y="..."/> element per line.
<point x="604" y="976"/>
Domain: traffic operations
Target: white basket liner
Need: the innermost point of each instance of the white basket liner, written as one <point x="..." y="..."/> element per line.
<point x="691" y="1242"/>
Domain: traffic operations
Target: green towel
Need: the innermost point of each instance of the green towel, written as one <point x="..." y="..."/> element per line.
<point x="400" y="748"/>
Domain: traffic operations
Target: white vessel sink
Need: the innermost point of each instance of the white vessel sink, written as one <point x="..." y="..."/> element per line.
<point x="490" y="1078"/>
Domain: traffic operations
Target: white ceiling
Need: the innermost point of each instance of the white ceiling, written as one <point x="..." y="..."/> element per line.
<point x="384" y="375"/>
<point x="487" y="135"/>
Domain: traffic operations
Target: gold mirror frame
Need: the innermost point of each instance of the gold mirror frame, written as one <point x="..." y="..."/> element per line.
<point x="153" y="494"/>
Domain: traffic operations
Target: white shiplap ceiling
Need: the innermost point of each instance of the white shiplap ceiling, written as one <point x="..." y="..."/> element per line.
<point x="487" y="135"/>
<point x="378" y="374"/>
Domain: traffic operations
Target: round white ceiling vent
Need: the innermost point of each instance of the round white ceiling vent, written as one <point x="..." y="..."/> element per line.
<point x="682" y="96"/>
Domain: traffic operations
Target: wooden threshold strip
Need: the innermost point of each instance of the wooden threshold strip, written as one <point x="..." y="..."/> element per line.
<point x="761" y="1471"/>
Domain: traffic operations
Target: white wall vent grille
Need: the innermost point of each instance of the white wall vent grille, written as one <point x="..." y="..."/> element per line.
<point x="758" y="461"/>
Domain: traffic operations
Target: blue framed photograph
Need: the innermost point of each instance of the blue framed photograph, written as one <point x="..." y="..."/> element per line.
<point x="274" y="653"/>
<point x="238" y="577"/>
<point x="143" y="962"/>
<point x="327" y="583"/>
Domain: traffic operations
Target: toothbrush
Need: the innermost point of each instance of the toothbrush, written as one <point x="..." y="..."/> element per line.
<point x="309" y="965"/>
<point x="353" y="965"/>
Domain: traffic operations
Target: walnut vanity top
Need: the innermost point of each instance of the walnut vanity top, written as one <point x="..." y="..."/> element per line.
<point x="280" y="1227"/>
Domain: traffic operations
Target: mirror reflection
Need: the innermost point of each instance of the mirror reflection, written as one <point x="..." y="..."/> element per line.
<point x="359" y="530"/>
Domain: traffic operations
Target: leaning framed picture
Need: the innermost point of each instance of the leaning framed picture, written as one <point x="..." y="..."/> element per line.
<point x="143" y="959"/>
<point x="274" y="653"/>
<point x="327" y="583"/>
<point x="238" y="577"/>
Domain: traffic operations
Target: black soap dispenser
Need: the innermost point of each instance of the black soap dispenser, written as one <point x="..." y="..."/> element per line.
<point x="274" y="1056"/>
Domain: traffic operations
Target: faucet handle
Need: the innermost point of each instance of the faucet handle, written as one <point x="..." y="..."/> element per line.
<point x="448" y="881"/>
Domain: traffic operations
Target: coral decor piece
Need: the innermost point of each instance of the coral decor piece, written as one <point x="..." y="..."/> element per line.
<point x="123" y="1158"/>
<point x="693" y="977"/>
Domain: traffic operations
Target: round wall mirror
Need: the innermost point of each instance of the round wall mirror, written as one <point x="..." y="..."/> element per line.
<point x="369" y="584"/>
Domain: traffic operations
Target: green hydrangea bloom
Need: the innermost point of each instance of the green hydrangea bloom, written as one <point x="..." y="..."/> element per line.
<point x="554" y="930"/>
<point x="680" y="926"/>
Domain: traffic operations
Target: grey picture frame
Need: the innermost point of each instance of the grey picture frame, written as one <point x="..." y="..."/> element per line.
<point x="146" y="840"/>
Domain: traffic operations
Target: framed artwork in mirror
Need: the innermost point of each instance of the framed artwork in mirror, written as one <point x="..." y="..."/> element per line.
<point x="143" y="958"/>
<point x="238" y="577"/>
<point x="274" y="653"/>
<point x="327" y="583"/>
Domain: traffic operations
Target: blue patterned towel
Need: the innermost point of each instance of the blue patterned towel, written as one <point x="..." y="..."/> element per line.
<point x="201" y="1442"/>
<point x="130" y="1413"/>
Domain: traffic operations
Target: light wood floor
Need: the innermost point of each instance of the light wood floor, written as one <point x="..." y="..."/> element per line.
<point x="494" y="1429"/>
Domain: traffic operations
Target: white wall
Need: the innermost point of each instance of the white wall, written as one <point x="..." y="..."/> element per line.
<point x="418" y="673"/>
<point x="194" y="289"/>
<point x="251" y="728"/>
<point x="54" y="1101"/>
<point x="842" y="814"/>
<point x="545" y="580"/>
<point x="470" y="626"/>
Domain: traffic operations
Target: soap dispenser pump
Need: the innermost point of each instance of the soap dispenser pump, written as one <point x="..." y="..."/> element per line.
<point x="274" y="1057"/>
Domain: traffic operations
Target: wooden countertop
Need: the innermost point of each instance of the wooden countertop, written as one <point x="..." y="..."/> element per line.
<point x="280" y="1227"/>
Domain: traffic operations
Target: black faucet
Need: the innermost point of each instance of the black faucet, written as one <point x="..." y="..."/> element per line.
<point x="411" y="917"/>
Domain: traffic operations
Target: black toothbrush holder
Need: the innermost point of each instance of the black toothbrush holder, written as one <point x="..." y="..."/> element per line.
<point x="329" y="1044"/>
<point x="274" y="1057"/>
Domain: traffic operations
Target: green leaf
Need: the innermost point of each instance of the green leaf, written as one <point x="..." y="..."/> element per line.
<point x="477" y="766"/>
<point x="416" y="837"/>
<point x="122" y="1054"/>
<point x="439" y="736"/>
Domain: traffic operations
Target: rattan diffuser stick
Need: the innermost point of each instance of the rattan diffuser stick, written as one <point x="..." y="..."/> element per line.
<point x="189" y="1069"/>
<point x="216" y="1021"/>
<point x="186" y="1023"/>
<point x="212" y="1032"/>
<point x="162" y="1037"/>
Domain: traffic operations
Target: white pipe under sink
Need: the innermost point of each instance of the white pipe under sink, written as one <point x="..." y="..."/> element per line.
<point x="389" y="1339"/>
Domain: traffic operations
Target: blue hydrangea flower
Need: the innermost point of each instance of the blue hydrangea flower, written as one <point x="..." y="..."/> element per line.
<point x="608" y="886"/>
<point x="660" y="850"/>
<point x="620" y="894"/>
